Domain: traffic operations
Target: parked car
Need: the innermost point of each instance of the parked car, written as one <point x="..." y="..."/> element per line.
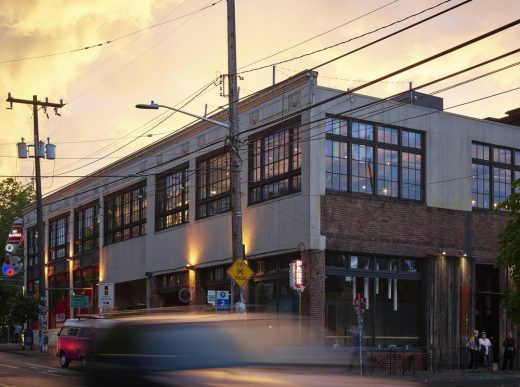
<point x="77" y="338"/>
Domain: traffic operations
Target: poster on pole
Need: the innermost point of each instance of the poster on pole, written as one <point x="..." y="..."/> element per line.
<point x="106" y="297"/>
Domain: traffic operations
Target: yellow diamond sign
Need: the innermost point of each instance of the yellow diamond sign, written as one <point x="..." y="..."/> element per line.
<point x="240" y="272"/>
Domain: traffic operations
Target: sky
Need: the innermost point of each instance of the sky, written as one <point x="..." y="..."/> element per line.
<point x="173" y="52"/>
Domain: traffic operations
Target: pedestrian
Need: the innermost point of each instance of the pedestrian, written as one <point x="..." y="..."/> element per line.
<point x="485" y="346"/>
<point x="17" y="331"/>
<point x="473" y="346"/>
<point x="509" y="352"/>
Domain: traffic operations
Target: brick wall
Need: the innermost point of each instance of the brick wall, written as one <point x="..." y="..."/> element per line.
<point x="379" y="225"/>
<point x="313" y="297"/>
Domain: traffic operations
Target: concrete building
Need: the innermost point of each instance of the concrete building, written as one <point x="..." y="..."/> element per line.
<point x="393" y="200"/>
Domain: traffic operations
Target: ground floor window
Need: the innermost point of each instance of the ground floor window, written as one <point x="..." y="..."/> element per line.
<point x="393" y="316"/>
<point x="274" y="296"/>
<point x="59" y="300"/>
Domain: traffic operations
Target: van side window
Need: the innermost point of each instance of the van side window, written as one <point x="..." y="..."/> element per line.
<point x="84" y="332"/>
<point x="73" y="332"/>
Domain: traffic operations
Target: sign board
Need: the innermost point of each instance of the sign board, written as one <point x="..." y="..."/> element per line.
<point x="240" y="272"/>
<point x="212" y="295"/>
<point x="222" y="300"/>
<point x="184" y="295"/>
<point x="296" y="275"/>
<point x="79" y="302"/>
<point x="106" y="297"/>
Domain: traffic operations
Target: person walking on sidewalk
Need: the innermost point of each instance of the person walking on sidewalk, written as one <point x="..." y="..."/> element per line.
<point x="509" y="352"/>
<point x="473" y="346"/>
<point x="485" y="346"/>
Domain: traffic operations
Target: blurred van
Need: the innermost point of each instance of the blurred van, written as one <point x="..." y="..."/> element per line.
<point x="77" y="338"/>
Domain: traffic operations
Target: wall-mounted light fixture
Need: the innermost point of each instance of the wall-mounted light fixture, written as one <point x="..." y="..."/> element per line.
<point x="189" y="266"/>
<point x="443" y="252"/>
<point x="463" y="253"/>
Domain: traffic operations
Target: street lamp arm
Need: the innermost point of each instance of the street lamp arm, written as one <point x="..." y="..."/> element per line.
<point x="156" y="106"/>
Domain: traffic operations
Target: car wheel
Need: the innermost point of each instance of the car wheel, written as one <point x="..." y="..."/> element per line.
<point x="64" y="362"/>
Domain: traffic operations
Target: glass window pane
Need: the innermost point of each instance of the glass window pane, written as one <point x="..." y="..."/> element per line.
<point x="501" y="155"/>
<point x="411" y="139"/>
<point x="362" y="168"/>
<point x="360" y="262"/>
<point x="387" y="135"/>
<point x="337" y="126"/>
<point x="362" y="130"/>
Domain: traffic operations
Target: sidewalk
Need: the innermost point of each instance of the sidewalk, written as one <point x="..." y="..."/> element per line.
<point x="16" y="348"/>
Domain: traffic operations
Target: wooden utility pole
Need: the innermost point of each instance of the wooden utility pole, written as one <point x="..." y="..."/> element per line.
<point x="234" y="144"/>
<point x="39" y="207"/>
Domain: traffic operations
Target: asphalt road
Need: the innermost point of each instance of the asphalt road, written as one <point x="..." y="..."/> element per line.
<point x="30" y="370"/>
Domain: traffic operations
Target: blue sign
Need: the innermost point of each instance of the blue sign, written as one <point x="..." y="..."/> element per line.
<point x="222" y="300"/>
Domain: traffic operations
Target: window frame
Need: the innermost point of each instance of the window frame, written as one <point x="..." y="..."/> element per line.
<point x="91" y="242"/>
<point x="116" y="228"/>
<point x="209" y="198"/>
<point x="32" y="246"/>
<point x="257" y="148"/>
<point x="162" y="197"/>
<point x="492" y="165"/>
<point x="376" y="145"/>
<point x="58" y="229"/>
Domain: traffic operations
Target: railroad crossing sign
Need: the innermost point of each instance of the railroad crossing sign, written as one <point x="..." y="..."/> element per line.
<point x="240" y="272"/>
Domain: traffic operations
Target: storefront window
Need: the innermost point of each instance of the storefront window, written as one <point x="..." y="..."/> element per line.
<point x="274" y="296"/>
<point x="392" y="287"/>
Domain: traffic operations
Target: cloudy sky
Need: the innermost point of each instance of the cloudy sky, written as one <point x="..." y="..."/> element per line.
<point x="172" y="51"/>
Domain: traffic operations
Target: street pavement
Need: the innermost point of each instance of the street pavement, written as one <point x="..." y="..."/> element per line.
<point x="445" y="378"/>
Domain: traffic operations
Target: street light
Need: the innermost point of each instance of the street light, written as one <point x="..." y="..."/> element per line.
<point x="156" y="106"/>
<point x="236" y="207"/>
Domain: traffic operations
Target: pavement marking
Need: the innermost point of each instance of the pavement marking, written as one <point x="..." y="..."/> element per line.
<point x="10" y="366"/>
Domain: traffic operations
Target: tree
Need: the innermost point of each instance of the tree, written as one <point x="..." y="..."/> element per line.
<point x="23" y="309"/>
<point x="14" y="196"/>
<point x="509" y="252"/>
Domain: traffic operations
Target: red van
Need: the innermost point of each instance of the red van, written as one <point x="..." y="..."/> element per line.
<point x="77" y="338"/>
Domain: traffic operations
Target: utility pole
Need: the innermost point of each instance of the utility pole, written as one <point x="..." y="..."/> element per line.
<point x="39" y="208"/>
<point x="236" y="162"/>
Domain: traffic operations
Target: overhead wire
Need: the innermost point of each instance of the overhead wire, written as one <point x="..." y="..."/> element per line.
<point x="366" y="34"/>
<point x="110" y="40"/>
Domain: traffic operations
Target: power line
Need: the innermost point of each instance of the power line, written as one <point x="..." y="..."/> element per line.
<point x="110" y="40"/>
<point x="321" y="34"/>
<point x="365" y="34"/>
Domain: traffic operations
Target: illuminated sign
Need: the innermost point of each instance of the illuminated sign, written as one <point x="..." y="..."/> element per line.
<point x="296" y="275"/>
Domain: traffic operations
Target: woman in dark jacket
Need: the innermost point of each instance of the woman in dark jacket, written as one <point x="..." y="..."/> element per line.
<point x="509" y="351"/>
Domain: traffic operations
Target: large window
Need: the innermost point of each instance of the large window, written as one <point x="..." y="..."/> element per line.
<point x="59" y="238"/>
<point x="172" y="199"/>
<point x="213" y="185"/>
<point x="393" y="290"/>
<point x="374" y="159"/>
<point x="275" y="162"/>
<point x="86" y="229"/>
<point x="32" y="246"/>
<point x="493" y="169"/>
<point x="125" y="215"/>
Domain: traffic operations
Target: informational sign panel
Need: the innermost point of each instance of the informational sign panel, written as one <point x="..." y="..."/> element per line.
<point x="106" y="297"/>
<point x="222" y="300"/>
<point x="212" y="296"/>
<point x="240" y="272"/>
<point x="79" y="302"/>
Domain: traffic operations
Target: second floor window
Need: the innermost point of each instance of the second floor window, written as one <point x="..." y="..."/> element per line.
<point x="213" y="185"/>
<point x="86" y="229"/>
<point x="275" y="163"/>
<point x="172" y="199"/>
<point x="375" y="159"/>
<point x="32" y="246"/>
<point x="493" y="169"/>
<point x="59" y="238"/>
<point x="125" y="215"/>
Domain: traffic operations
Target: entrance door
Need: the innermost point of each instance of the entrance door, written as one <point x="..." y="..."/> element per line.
<point x="487" y="311"/>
